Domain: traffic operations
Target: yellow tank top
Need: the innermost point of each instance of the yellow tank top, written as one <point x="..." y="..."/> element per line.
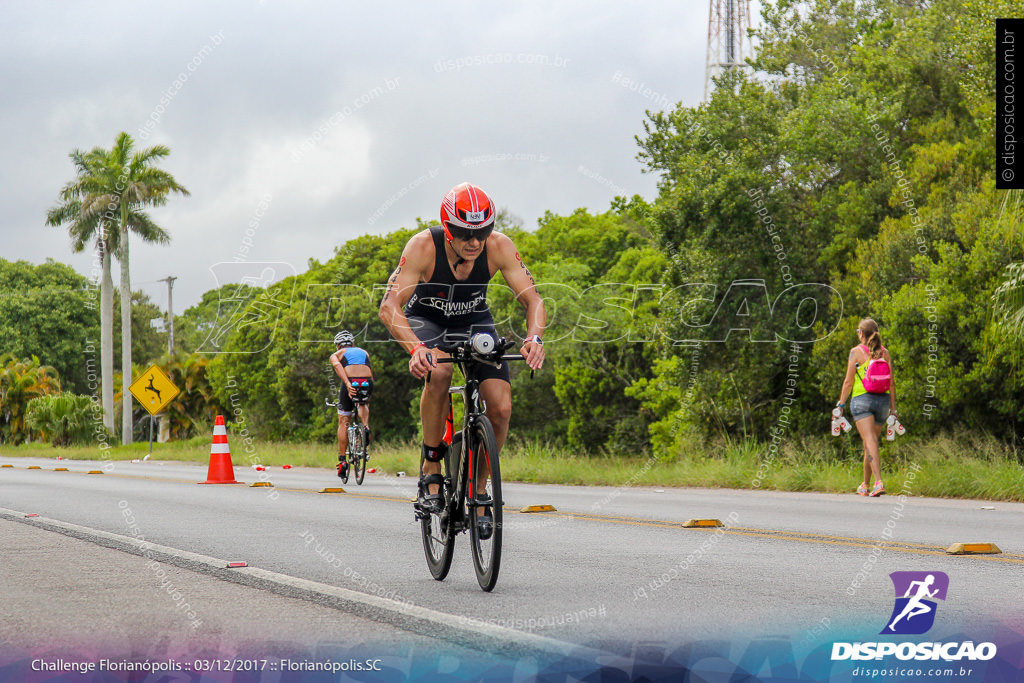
<point x="858" y="384"/>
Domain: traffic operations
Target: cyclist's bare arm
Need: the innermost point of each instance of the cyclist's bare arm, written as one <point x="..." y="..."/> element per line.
<point x="415" y="266"/>
<point x="339" y="369"/>
<point x="505" y="258"/>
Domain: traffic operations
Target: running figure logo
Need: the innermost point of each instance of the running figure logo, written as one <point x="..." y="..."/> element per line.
<point x="914" y="612"/>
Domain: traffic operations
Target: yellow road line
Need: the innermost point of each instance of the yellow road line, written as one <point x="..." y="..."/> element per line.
<point x="798" y="537"/>
<point x="795" y="536"/>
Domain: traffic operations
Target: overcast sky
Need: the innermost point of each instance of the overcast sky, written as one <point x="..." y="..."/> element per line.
<point x="313" y="123"/>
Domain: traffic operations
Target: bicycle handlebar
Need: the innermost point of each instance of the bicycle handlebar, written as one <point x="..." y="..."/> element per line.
<point x="451" y="359"/>
<point x="464" y="352"/>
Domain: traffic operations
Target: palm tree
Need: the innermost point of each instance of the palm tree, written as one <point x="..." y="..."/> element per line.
<point x="83" y="202"/>
<point x="62" y="419"/>
<point x="1008" y="298"/>
<point x="119" y="184"/>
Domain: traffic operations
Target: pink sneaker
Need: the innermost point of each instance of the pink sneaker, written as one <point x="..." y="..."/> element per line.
<point x="862" y="490"/>
<point x="878" y="489"/>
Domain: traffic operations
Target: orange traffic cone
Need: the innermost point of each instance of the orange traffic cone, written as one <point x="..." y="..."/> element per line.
<point x="220" y="471"/>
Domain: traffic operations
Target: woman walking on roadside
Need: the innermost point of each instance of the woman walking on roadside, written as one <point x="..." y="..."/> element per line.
<point x="869" y="384"/>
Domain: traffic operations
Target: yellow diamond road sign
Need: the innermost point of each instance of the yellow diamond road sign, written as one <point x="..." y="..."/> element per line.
<point x="154" y="390"/>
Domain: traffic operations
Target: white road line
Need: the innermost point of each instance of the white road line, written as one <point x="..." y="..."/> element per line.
<point x="421" y="620"/>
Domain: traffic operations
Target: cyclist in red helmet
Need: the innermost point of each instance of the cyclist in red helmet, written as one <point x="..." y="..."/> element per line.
<point x="437" y="294"/>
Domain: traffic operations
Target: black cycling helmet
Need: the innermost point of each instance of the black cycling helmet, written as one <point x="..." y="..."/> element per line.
<point x="344" y="338"/>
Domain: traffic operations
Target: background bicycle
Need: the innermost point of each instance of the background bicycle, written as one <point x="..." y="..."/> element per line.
<point x="356" y="453"/>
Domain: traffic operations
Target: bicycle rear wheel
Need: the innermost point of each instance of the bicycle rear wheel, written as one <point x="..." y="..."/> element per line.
<point x="438" y="530"/>
<point x="359" y="457"/>
<point x="483" y="453"/>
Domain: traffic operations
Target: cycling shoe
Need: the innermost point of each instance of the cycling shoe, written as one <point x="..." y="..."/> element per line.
<point x="485" y="522"/>
<point x="430" y="502"/>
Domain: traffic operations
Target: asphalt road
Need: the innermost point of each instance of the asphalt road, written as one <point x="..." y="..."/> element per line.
<point x="613" y="569"/>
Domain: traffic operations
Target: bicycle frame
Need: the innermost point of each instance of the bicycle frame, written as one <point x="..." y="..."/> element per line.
<point x="473" y="408"/>
<point x="356" y="457"/>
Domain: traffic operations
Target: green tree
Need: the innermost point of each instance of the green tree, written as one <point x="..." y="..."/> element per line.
<point x="21" y="380"/>
<point x="195" y="326"/>
<point x="148" y="344"/>
<point x="863" y="163"/>
<point x="196" y="407"/>
<point x="272" y="346"/>
<point x="49" y="310"/>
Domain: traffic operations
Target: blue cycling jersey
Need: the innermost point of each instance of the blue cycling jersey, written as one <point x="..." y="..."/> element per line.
<point x="354" y="356"/>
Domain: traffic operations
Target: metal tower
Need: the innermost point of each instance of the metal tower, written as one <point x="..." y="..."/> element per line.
<point x="728" y="44"/>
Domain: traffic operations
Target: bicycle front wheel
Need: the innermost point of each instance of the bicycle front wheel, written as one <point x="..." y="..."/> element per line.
<point x="438" y="530"/>
<point x="485" y="502"/>
<point x="360" y="454"/>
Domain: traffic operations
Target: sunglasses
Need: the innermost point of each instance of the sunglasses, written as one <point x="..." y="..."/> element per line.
<point x="466" y="234"/>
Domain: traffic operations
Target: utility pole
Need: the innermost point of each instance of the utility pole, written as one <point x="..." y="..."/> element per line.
<point x="165" y="423"/>
<point x="728" y="44"/>
<point x="170" y="313"/>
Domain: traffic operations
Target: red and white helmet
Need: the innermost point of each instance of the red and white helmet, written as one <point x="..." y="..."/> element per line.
<point x="465" y="210"/>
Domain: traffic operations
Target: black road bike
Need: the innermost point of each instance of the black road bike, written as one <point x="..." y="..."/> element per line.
<point x="472" y="454"/>
<point x="358" y="438"/>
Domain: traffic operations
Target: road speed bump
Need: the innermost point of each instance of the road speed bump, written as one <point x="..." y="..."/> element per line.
<point x="331" y="489"/>
<point x="701" y="523"/>
<point x="539" y="508"/>
<point x="60" y="469"/>
<point x="95" y="472"/>
<point x="34" y="467"/>
<point x="6" y="465"/>
<point x="261" y="483"/>
<point x="236" y="565"/>
<point x="973" y="549"/>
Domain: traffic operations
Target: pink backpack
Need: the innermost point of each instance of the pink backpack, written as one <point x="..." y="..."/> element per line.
<point x="878" y="376"/>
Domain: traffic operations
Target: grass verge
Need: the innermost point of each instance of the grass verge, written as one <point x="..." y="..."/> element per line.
<point x="967" y="466"/>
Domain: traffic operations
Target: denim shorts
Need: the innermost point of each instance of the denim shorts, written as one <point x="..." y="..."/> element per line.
<point x="870" y="404"/>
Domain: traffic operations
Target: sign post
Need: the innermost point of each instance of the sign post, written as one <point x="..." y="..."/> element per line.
<point x="154" y="390"/>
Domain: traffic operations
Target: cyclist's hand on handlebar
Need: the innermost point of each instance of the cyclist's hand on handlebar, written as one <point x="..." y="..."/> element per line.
<point x="533" y="353"/>
<point x="422" y="362"/>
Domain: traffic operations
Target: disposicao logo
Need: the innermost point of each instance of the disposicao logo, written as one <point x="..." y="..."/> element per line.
<point x="916" y="592"/>
<point x="914" y="614"/>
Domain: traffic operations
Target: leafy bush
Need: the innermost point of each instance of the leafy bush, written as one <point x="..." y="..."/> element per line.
<point x="20" y="382"/>
<point x="64" y="419"/>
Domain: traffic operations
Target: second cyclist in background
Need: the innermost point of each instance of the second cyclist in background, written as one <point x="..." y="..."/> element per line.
<point x="352" y="365"/>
